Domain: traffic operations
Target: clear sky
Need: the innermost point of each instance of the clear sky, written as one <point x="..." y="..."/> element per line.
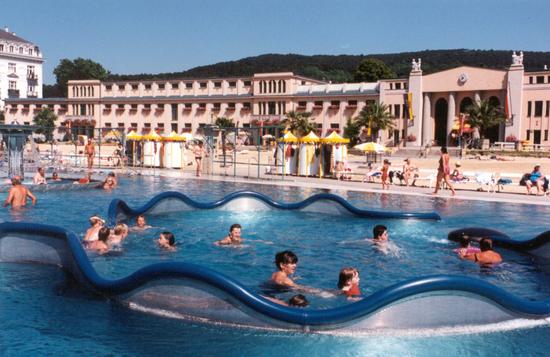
<point x="138" y="36"/>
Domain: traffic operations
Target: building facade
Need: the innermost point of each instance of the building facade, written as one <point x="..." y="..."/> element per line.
<point x="20" y="68"/>
<point x="425" y="107"/>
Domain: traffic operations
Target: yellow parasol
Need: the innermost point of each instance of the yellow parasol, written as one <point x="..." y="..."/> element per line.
<point x="310" y="138"/>
<point x="173" y="136"/>
<point x="371" y="147"/>
<point x="288" y="138"/>
<point x="334" y="138"/>
<point x="133" y="136"/>
<point x="152" y="136"/>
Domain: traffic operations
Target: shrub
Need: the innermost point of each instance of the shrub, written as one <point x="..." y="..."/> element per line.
<point x="411" y="138"/>
<point x="511" y="139"/>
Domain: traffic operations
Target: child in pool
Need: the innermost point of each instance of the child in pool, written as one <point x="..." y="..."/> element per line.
<point x="348" y="282"/>
<point x="465" y="247"/>
<point x="286" y="262"/>
<point x="167" y="241"/>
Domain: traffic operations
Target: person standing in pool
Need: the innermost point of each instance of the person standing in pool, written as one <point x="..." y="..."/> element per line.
<point x="92" y="233"/>
<point x="17" y="197"/>
<point x="234" y="236"/>
<point x="39" y="178"/>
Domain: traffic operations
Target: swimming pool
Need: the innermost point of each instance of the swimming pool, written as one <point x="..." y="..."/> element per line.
<point x="421" y="248"/>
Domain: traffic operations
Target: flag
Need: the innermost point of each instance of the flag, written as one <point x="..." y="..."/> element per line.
<point x="409" y="105"/>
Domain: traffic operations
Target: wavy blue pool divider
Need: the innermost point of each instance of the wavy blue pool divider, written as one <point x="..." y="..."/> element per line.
<point x="75" y="260"/>
<point x="538" y="246"/>
<point x="119" y="206"/>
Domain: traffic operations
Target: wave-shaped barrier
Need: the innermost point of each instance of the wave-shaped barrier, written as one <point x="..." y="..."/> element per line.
<point x="327" y="203"/>
<point x="201" y="294"/>
<point x="538" y="246"/>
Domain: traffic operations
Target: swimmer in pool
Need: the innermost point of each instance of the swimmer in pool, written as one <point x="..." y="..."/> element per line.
<point x="348" y="282"/>
<point x="297" y="300"/>
<point x="141" y="223"/>
<point x="487" y="256"/>
<point x="100" y="245"/>
<point x="465" y="247"/>
<point x="167" y="241"/>
<point x="92" y="233"/>
<point x="119" y="233"/>
<point x="380" y="234"/>
<point x="286" y="262"/>
<point x="234" y="236"/>
<point x="17" y="197"/>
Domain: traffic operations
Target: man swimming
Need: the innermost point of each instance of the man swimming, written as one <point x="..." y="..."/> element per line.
<point x="18" y="194"/>
<point x="234" y="236"/>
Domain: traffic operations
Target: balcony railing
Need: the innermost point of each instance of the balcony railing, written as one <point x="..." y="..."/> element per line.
<point x="334" y="107"/>
<point x="32" y="76"/>
<point x="32" y="94"/>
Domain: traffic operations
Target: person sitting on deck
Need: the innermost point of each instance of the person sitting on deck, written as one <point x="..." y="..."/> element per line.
<point x="536" y="179"/>
<point x="457" y="175"/>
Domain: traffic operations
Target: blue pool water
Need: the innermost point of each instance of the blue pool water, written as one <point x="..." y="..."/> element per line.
<point x="43" y="312"/>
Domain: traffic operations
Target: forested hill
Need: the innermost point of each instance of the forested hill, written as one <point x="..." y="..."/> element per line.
<point x="340" y="68"/>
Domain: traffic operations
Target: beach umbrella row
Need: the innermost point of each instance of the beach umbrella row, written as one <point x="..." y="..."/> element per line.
<point x="153" y="136"/>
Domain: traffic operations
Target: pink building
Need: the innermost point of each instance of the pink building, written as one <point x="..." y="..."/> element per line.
<point x="436" y="102"/>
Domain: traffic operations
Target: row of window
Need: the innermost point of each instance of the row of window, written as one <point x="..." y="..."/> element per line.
<point x="272" y="108"/>
<point x="12" y="69"/>
<point x="272" y="86"/>
<point x="83" y="91"/>
<point x="186" y="106"/>
<point x="536" y="136"/>
<point x="20" y="50"/>
<point x="398" y="85"/>
<point x="174" y="85"/>
<point x="538" y="79"/>
<point x="334" y="104"/>
<point x="538" y="108"/>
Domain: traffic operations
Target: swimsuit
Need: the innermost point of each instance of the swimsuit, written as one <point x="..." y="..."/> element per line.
<point x="353" y="291"/>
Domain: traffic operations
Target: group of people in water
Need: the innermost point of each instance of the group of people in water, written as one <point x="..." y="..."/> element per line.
<point x="101" y="239"/>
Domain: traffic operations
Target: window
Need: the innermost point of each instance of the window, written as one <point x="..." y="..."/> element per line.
<point x="1" y="47"/>
<point x="187" y="125"/>
<point x="147" y="87"/>
<point x="548" y="108"/>
<point x="352" y="103"/>
<point x="134" y="87"/>
<point x="540" y="79"/>
<point x="397" y="85"/>
<point x="318" y="103"/>
<point x="120" y="125"/>
<point x="391" y="85"/>
<point x="530" y="82"/>
<point x="121" y="87"/>
<point x="247" y="105"/>
<point x="12" y="85"/>
<point x="189" y="85"/>
<point x="202" y="105"/>
<point x="370" y="102"/>
<point x="335" y="103"/>
<point x="217" y="84"/>
<point x="11" y="48"/>
<point x="160" y="106"/>
<point x="147" y="125"/>
<point x="12" y="68"/>
<point x="188" y="105"/>
<point x="302" y="104"/>
<point x="397" y="110"/>
<point x="231" y="106"/>
<point x="546" y="135"/>
<point x="202" y="84"/>
<point x="30" y="51"/>
<point x="133" y="106"/>
<point x="217" y="106"/>
<point x="334" y="126"/>
<point x="161" y="86"/>
<point x="146" y="106"/>
<point x="175" y="85"/>
<point x="107" y="106"/>
<point x="528" y="109"/>
<point x="528" y="136"/>
<point x="174" y="108"/>
<point x="538" y="108"/>
<point x="20" y="50"/>
<point x="247" y="83"/>
<point x="107" y="125"/>
<point x="232" y="84"/>
<point x="108" y="88"/>
<point x="133" y="125"/>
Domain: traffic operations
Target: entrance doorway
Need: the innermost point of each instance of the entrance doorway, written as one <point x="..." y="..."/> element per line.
<point x="440" y="119"/>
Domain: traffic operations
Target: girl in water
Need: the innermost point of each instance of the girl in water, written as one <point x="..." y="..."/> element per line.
<point x="348" y="282"/>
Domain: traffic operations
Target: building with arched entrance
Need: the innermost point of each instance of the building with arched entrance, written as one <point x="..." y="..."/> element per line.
<point x="425" y="107"/>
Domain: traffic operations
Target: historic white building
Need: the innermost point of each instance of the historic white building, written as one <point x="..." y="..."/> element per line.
<point x="20" y="68"/>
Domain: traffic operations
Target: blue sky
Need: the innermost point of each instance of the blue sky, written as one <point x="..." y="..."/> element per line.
<point x="169" y="35"/>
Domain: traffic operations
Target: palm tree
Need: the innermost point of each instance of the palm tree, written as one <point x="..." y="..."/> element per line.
<point x="376" y="117"/>
<point x="484" y="115"/>
<point x="298" y="123"/>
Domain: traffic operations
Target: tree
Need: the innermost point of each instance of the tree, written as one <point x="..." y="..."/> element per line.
<point x="224" y="122"/>
<point x="298" y="123"/>
<point x="351" y="131"/>
<point x="371" y="70"/>
<point x="80" y="68"/>
<point x="484" y="115"/>
<point x="375" y="116"/>
<point x="45" y="120"/>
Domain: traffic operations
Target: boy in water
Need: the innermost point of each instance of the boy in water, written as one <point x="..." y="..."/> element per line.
<point x="286" y="262"/>
<point x="380" y="234"/>
<point x="234" y="236"/>
<point x="18" y="194"/>
<point x="167" y="241"/>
